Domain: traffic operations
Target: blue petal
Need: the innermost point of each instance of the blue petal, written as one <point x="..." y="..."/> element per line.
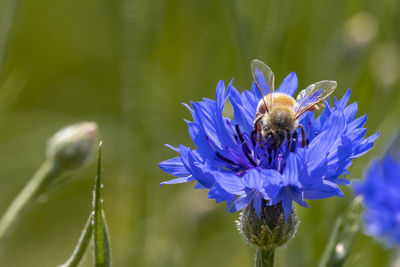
<point x="199" y="170"/>
<point x="317" y="173"/>
<point x="289" y="84"/>
<point x="336" y="104"/>
<point x="320" y="121"/>
<point x="178" y="180"/>
<point x="206" y="121"/>
<point x="199" y="186"/>
<point x="298" y="196"/>
<point x="345" y="99"/>
<point x="321" y="145"/>
<point x="340" y="161"/>
<point x="219" y="194"/>
<point x="176" y="149"/>
<point x="253" y="180"/>
<point x="357" y="135"/>
<point x="286" y="205"/>
<point x="273" y="184"/>
<point x="357" y="123"/>
<point x="271" y="176"/>
<point x="189" y="108"/>
<point x="290" y="174"/>
<point x="231" y="183"/>
<point x="350" y="112"/>
<point x="244" y="114"/>
<point x="257" y="205"/>
<point x="365" y="146"/>
<point x="219" y="121"/>
<point x="199" y="138"/>
<point x="274" y="193"/>
<point x="255" y="92"/>
<point x="250" y="102"/>
<point x="321" y="190"/>
<point x="174" y="166"/>
<point x="220" y="95"/>
<point x="241" y="203"/>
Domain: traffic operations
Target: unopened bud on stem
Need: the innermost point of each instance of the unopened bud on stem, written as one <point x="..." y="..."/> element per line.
<point x="68" y="149"/>
<point x="71" y="146"/>
<point x="267" y="231"/>
<point x="270" y="229"/>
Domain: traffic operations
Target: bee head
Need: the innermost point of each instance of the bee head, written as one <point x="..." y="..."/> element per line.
<point x="275" y="137"/>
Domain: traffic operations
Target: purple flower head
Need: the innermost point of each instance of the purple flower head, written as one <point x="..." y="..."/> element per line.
<point x="235" y="168"/>
<point x="381" y="196"/>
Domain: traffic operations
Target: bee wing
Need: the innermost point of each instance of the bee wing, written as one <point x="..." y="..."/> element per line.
<point x="312" y="95"/>
<point x="264" y="79"/>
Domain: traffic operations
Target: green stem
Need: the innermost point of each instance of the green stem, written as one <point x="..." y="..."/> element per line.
<point x="10" y="18"/>
<point x="264" y="257"/>
<point x="33" y="189"/>
<point x="342" y="237"/>
<point x="82" y="245"/>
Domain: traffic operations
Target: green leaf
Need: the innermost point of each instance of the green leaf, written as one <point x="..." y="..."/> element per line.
<point x="106" y="240"/>
<point x="102" y="254"/>
<point x="82" y="245"/>
<point x="343" y="234"/>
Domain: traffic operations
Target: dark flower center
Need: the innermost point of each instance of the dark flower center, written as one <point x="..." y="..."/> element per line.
<point x="249" y="154"/>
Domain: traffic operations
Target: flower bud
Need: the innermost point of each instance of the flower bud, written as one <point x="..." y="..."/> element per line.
<point x="269" y="230"/>
<point x="71" y="146"/>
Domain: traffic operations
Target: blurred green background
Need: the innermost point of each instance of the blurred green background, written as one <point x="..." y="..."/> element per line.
<point x="128" y="65"/>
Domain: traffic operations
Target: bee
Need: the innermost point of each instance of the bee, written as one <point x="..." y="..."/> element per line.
<point x="277" y="117"/>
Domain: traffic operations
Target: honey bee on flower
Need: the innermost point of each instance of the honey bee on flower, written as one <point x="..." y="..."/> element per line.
<point x="278" y="113"/>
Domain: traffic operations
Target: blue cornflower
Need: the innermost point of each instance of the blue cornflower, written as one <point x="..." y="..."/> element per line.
<point x="235" y="168"/>
<point x="381" y="196"/>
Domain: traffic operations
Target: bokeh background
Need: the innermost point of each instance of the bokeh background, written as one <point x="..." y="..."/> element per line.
<point x="128" y="65"/>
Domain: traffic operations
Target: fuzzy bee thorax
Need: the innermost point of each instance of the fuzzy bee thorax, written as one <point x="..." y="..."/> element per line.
<point x="281" y="117"/>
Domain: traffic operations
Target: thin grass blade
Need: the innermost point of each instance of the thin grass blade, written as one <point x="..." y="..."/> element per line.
<point x="81" y="246"/>
<point x="101" y="249"/>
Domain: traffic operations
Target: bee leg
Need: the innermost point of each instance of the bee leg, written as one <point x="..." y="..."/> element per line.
<point x="260" y="140"/>
<point x="289" y="138"/>
<point x="257" y="128"/>
<point x="258" y="135"/>
<point x="303" y="135"/>
<point x="257" y="120"/>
